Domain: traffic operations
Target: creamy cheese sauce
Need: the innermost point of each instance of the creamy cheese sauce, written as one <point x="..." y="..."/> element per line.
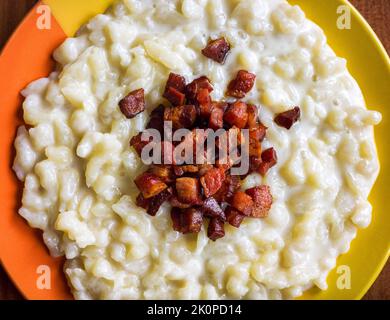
<point x="78" y="168"/>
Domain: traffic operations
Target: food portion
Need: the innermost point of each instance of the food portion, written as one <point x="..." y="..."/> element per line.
<point x="196" y="189"/>
<point x="135" y="230"/>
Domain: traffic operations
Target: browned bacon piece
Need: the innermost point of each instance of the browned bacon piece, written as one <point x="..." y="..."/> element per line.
<point x="133" y="103"/>
<point x="262" y="199"/>
<point x="203" y="168"/>
<point x="156" y="120"/>
<point x="237" y="115"/>
<point x="156" y="201"/>
<point x="181" y="116"/>
<point x="163" y="172"/>
<point x="203" y="96"/>
<point x="253" y="116"/>
<point x="216" y="229"/>
<point x="233" y="217"/>
<point x="217" y="50"/>
<point x="241" y="85"/>
<point x="242" y="202"/>
<point x="137" y="143"/>
<point x="212" y="209"/>
<point x="288" y="118"/>
<point x="269" y="159"/>
<point x="142" y="202"/>
<point x="212" y="181"/>
<point x="193" y="88"/>
<point x="188" y="190"/>
<point x="230" y="185"/>
<point x="174" y="201"/>
<point x="149" y="184"/>
<point x="258" y="132"/>
<point x="216" y="118"/>
<point x="175" y="89"/>
<point x="176" y="219"/>
<point x="254" y="148"/>
<point x="191" y="221"/>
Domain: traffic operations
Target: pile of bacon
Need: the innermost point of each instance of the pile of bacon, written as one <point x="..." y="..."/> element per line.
<point x="199" y="191"/>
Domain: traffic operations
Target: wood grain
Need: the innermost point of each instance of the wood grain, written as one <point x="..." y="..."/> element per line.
<point x="377" y="13"/>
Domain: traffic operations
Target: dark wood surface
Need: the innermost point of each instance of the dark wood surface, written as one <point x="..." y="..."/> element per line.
<point x="377" y="13"/>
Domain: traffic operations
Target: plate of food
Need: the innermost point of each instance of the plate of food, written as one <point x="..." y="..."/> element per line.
<point x="111" y="189"/>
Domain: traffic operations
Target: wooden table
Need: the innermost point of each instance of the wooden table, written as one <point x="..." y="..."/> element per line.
<point x="377" y="13"/>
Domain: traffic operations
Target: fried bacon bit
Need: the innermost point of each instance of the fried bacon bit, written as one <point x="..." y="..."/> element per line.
<point x="253" y="116"/>
<point x="193" y="88"/>
<point x="133" y="103"/>
<point x="230" y="185"/>
<point x="156" y="201"/>
<point x="181" y="116"/>
<point x="258" y="132"/>
<point x="216" y="118"/>
<point x="156" y="120"/>
<point x="174" y="201"/>
<point x="203" y="168"/>
<point x="217" y="50"/>
<point x="175" y="89"/>
<point x="142" y="202"/>
<point x="149" y="184"/>
<point x="254" y="148"/>
<point x="188" y="190"/>
<point x="191" y="221"/>
<point x="190" y="168"/>
<point x="174" y="96"/>
<point x="203" y="97"/>
<point x="241" y="85"/>
<point x="137" y="143"/>
<point x="176" y="219"/>
<point x="233" y="217"/>
<point x="164" y="173"/>
<point x="262" y="199"/>
<point x="212" y="181"/>
<point x="237" y="115"/>
<point x="288" y="118"/>
<point x="269" y="159"/>
<point x="216" y="229"/>
<point x="242" y="202"/>
<point x="254" y="163"/>
<point x="212" y="209"/>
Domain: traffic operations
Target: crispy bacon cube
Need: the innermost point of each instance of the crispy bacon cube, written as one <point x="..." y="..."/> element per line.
<point x="268" y="160"/>
<point x="216" y="118"/>
<point x="149" y="184"/>
<point x="181" y="116"/>
<point x="254" y="164"/>
<point x="193" y="88"/>
<point x="174" y="96"/>
<point x="212" y="209"/>
<point x="175" y="89"/>
<point x="230" y="185"/>
<point x="241" y="85"/>
<point x="137" y="143"/>
<point x="133" y="103"/>
<point x="212" y="181"/>
<point x="188" y="190"/>
<point x="203" y="97"/>
<point x="258" y="132"/>
<point x="156" y="120"/>
<point x="174" y="201"/>
<point x="233" y="217"/>
<point x="142" y="202"/>
<point x="191" y="220"/>
<point x="254" y="148"/>
<point x="217" y="50"/>
<point x="262" y="199"/>
<point x="156" y="201"/>
<point x="216" y="229"/>
<point x="176" y="219"/>
<point x="237" y="115"/>
<point x="242" y="202"/>
<point x="253" y="116"/>
<point x="288" y="118"/>
<point x="203" y="168"/>
<point x="163" y="172"/>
